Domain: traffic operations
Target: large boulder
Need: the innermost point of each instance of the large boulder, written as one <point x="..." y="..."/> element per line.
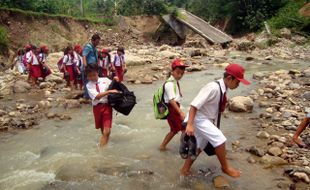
<point x="134" y="60"/>
<point x="70" y="104"/>
<point x="21" y="87"/>
<point x="241" y="104"/>
<point x="53" y="78"/>
<point x="245" y="45"/>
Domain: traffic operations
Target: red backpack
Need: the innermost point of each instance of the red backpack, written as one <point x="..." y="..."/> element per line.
<point x="61" y="65"/>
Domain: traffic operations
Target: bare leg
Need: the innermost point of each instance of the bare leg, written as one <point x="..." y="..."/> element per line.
<point x="167" y="139"/>
<point x="220" y="152"/>
<point x="185" y="170"/>
<point x="303" y="125"/>
<point x="105" y="136"/>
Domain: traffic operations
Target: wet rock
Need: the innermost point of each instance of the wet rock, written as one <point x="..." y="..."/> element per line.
<point x="65" y="117"/>
<point x="47" y="93"/>
<point x="2" y="113"/>
<point x="21" y="87"/>
<point x="273" y="160"/>
<point x="75" y="95"/>
<point x="54" y="78"/>
<point x="259" y="75"/>
<point x="256" y="151"/>
<point x="306" y="96"/>
<point x="245" y="45"/>
<point x="277" y="144"/>
<point x="263" y="104"/>
<point x="241" y="104"/>
<point x="71" y="104"/>
<point x="194" y="68"/>
<point x="44" y="104"/>
<point x="275" y="151"/>
<point x="251" y="160"/>
<point x="45" y="85"/>
<point x="51" y="115"/>
<point x="221" y="182"/>
<point x="269" y="57"/>
<point x="76" y="172"/>
<point x="301" y="176"/>
<point x="262" y="135"/>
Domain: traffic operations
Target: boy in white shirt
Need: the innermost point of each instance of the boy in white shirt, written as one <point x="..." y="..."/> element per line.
<point x="98" y="91"/>
<point x="173" y="96"/>
<point x="204" y="112"/>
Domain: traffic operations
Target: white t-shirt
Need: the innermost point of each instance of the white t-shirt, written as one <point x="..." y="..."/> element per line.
<point x="172" y="91"/>
<point x="19" y="64"/>
<point x="207" y="101"/>
<point x="104" y="63"/>
<point x="103" y="84"/>
<point x="78" y="60"/>
<point x="118" y="60"/>
<point x="31" y="58"/>
<point x="68" y="60"/>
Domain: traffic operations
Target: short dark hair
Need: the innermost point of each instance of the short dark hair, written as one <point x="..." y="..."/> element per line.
<point x="91" y="68"/>
<point x="182" y="68"/>
<point x="227" y="75"/>
<point x="95" y="37"/>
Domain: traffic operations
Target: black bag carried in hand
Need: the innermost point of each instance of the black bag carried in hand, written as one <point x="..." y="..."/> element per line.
<point x="124" y="101"/>
<point x="209" y="149"/>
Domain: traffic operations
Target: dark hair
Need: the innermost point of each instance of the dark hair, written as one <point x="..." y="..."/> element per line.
<point x="20" y="52"/>
<point x="91" y="68"/>
<point x="95" y="37"/>
<point x="182" y="68"/>
<point x="66" y="51"/>
<point x="121" y="49"/>
<point x="227" y="75"/>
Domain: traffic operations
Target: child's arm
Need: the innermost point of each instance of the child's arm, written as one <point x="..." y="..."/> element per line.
<point x="190" y="124"/>
<point x="103" y="94"/>
<point x="175" y="106"/>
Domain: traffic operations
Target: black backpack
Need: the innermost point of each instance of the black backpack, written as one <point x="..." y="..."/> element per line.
<point x="124" y="101"/>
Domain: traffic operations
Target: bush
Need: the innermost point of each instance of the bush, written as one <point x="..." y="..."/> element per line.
<point x="3" y="40"/>
<point x="288" y="16"/>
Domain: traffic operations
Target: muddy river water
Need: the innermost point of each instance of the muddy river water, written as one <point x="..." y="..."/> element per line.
<point x="63" y="154"/>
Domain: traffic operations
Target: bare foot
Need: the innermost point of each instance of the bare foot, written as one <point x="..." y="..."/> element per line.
<point x="102" y="142"/>
<point x="185" y="173"/>
<point x="232" y="172"/>
<point x="299" y="142"/>
<point x="163" y="149"/>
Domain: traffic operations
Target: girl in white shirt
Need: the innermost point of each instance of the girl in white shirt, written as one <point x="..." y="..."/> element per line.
<point x="68" y="62"/>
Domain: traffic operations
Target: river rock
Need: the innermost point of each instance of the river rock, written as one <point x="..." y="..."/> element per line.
<point x="168" y="54"/>
<point x="44" y="104"/>
<point x="301" y="176"/>
<point x="256" y="151"/>
<point x="262" y="135"/>
<point x="21" y="87"/>
<point x="45" y="85"/>
<point x="245" y="45"/>
<point x="306" y="96"/>
<point x="275" y="151"/>
<point x="2" y="113"/>
<point x="258" y="75"/>
<point x="221" y="182"/>
<point x="241" y="104"/>
<point x="53" y="78"/>
<point x="286" y="33"/>
<point x="75" y="95"/>
<point x="70" y="104"/>
<point x="251" y="160"/>
<point x="76" y="172"/>
<point x="273" y="160"/>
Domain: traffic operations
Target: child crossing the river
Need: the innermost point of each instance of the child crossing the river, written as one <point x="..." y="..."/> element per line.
<point x="98" y="91"/>
<point x="33" y="64"/>
<point x="68" y="62"/>
<point x="172" y="98"/>
<point x="204" y="112"/>
<point x="119" y="64"/>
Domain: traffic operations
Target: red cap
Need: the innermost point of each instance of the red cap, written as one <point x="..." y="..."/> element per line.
<point x="238" y="72"/>
<point x="105" y="51"/>
<point x="178" y="63"/>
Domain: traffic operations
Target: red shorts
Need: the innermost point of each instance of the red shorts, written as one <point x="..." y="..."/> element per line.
<point x="103" y="116"/>
<point x="35" y="71"/>
<point x="174" y="120"/>
<point x="70" y="70"/>
<point x="119" y="73"/>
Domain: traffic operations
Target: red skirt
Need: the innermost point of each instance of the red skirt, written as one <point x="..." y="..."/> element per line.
<point x="103" y="116"/>
<point x="35" y="71"/>
<point x="174" y="120"/>
<point x="46" y="72"/>
<point x="70" y="70"/>
<point x="119" y="73"/>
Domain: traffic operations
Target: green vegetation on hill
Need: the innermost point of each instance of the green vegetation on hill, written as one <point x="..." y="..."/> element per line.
<point x="3" y="40"/>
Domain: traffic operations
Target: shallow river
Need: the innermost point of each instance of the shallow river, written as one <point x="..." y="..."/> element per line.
<point x="63" y="155"/>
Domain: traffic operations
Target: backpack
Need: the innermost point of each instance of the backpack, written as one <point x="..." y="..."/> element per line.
<point x="61" y="65"/>
<point x="24" y="60"/>
<point x="122" y="102"/>
<point x="160" y="108"/>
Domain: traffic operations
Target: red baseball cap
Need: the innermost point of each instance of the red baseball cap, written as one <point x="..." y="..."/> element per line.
<point x="238" y="72"/>
<point x="178" y="63"/>
<point x="105" y="51"/>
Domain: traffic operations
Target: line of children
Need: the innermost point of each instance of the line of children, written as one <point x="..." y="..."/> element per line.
<point x="172" y="97"/>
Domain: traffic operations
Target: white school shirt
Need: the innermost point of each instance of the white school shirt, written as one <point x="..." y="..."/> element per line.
<point x="172" y="91"/>
<point x="118" y="60"/>
<point x="68" y="60"/>
<point x="207" y="101"/>
<point x="42" y="58"/>
<point x="31" y="58"/>
<point x="104" y="63"/>
<point x="19" y="64"/>
<point x="103" y="84"/>
<point x="78" y="60"/>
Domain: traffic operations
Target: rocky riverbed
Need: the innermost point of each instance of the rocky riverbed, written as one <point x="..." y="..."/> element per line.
<point x="281" y="99"/>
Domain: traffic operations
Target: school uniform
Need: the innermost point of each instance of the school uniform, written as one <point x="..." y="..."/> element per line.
<point x="104" y="66"/>
<point x="118" y="64"/>
<point x="32" y="61"/>
<point x="68" y="61"/>
<point x="207" y="104"/>
<point x="173" y="92"/>
<point x="101" y="109"/>
<point x="46" y="71"/>
<point x="78" y="64"/>
<point x="19" y="64"/>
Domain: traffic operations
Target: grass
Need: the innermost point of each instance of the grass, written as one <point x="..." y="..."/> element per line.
<point x="92" y="19"/>
<point x="288" y="17"/>
<point x="4" y="42"/>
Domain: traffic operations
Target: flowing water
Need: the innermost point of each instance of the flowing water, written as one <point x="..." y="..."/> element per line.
<point x="64" y="155"/>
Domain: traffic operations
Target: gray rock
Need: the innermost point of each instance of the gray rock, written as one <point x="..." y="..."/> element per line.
<point x="221" y="182"/>
<point x="251" y="160"/>
<point x="273" y="160"/>
<point x="259" y="75"/>
<point x="306" y="96"/>
<point x="241" y="104"/>
<point x="21" y="87"/>
<point x="286" y="33"/>
<point x="301" y="176"/>
<point x="275" y="151"/>
<point x="256" y="151"/>
<point x="45" y="85"/>
<point x="70" y="104"/>
<point x="262" y="135"/>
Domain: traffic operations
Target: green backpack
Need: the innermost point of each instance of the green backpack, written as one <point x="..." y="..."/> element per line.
<point x="161" y="110"/>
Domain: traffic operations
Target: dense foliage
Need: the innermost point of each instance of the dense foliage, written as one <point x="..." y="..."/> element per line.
<point x="3" y="40"/>
<point x="246" y="15"/>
